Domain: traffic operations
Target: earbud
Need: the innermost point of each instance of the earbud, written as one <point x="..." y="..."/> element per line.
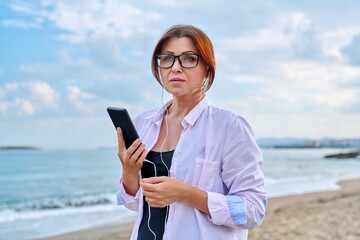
<point x="205" y="82"/>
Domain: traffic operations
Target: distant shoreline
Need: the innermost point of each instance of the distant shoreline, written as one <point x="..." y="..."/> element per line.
<point x="19" y="148"/>
<point x="306" y="147"/>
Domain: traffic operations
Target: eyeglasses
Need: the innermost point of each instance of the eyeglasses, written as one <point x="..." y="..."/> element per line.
<point x="186" y="60"/>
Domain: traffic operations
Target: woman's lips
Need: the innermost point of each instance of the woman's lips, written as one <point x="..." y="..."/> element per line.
<point x="177" y="80"/>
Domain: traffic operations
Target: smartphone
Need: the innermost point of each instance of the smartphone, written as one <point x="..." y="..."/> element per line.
<point x="121" y="118"/>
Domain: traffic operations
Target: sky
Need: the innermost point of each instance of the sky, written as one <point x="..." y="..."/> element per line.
<point x="291" y="68"/>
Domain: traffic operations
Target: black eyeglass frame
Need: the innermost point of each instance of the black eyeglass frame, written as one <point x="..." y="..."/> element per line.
<point x="177" y="57"/>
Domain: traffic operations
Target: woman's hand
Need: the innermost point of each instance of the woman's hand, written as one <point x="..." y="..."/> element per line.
<point x="131" y="160"/>
<point x="163" y="191"/>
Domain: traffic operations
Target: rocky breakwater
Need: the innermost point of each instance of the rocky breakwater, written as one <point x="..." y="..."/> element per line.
<point x="347" y="155"/>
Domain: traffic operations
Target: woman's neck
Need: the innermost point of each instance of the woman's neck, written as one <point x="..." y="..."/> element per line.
<point x="180" y="107"/>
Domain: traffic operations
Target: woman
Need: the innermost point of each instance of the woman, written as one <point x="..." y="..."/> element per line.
<point x="195" y="171"/>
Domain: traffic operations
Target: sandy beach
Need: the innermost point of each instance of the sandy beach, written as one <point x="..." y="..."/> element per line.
<point x="329" y="215"/>
<point x="322" y="215"/>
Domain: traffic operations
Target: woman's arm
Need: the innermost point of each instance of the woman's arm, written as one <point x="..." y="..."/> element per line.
<point x="244" y="204"/>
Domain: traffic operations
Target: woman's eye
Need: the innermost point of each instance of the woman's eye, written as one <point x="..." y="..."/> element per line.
<point x="189" y="59"/>
<point x="166" y="59"/>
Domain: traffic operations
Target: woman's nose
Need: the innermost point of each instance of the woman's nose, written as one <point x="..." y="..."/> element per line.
<point x="176" y="66"/>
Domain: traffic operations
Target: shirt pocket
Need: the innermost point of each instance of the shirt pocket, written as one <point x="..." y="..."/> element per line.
<point x="204" y="174"/>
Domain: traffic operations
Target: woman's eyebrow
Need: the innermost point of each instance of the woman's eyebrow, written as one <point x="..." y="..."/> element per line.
<point x="191" y="52"/>
<point x="186" y="52"/>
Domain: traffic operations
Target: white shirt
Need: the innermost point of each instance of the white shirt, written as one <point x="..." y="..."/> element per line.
<point x="216" y="153"/>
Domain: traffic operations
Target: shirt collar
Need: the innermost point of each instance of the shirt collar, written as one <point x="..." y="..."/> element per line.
<point x="194" y="114"/>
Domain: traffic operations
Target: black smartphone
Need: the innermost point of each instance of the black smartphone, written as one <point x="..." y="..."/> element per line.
<point x="121" y="118"/>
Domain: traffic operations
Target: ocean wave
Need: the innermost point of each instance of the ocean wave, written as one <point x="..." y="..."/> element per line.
<point x="56" y="207"/>
<point x="7" y="216"/>
<point x="60" y="202"/>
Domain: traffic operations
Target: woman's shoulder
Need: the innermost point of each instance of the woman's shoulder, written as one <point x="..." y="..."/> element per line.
<point x="228" y="118"/>
<point x="224" y="113"/>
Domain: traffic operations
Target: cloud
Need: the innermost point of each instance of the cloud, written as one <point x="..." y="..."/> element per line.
<point x="306" y="125"/>
<point x="285" y="33"/>
<point x="113" y="19"/>
<point x="80" y="21"/>
<point x="27" y="98"/>
<point x="42" y="92"/>
<point x="337" y="39"/>
<point x="28" y="15"/>
<point x="81" y="100"/>
<point x="250" y="56"/>
<point x="352" y="51"/>
<point x="291" y="36"/>
<point x="298" y="87"/>
<point x="20" y="23"/>
<point x="27" y="8"/>
<point x="25" y="106"/>
<point x="288" y="68"/>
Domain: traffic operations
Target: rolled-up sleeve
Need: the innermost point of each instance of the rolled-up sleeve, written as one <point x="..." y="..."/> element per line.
<point x="231" y="211"/>
<point x="123" y="198"/>
<point x="245" y="203"/>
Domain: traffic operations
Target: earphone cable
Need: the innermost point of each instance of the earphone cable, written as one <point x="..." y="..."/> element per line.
<point x="163" y="162"/>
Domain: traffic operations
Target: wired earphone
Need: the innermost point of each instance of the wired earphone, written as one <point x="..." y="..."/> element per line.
<point x="205" y="82"/>
<point x="162" y="160"/>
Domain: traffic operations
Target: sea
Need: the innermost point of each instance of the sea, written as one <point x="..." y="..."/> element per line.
<point x="45" y="193"/>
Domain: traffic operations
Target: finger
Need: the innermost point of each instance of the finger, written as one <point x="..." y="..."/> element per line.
<point x="155" y="202"/>
<point x="121" y="141"/>
<point x="148" y="188"/>
<point x="151" y="202"/>
<point x="141" y="159"/>
<point x="134" y="146"/>
<point x="138" y="152"/>
<point x="154" y="180"/>
<point x="151" y="197"/>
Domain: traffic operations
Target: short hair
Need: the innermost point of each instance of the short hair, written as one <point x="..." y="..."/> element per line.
<point x="201" y="42"/>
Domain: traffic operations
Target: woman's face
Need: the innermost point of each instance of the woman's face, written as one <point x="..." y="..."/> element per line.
<point x="180" y="81"/>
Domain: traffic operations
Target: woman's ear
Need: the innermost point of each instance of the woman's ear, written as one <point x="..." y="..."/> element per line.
<point x="160" y="78"/>
<point x="207" y="72"/>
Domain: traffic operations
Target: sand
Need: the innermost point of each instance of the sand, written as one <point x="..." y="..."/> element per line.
<point x="120" y="231"/>
<point x="329" y="215"/>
